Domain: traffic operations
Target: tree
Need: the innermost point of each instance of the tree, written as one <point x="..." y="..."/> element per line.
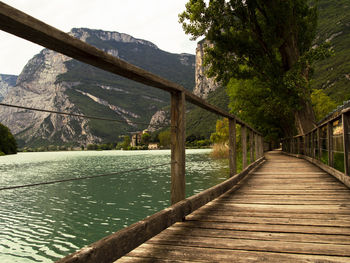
<point x="268" y="42"/>
<point x="164" y="139"/>
<point x="126" y="142"/>
<point x="8" y="144"/>
<point x="322" y="104"/>
<point x="145" y="138"/>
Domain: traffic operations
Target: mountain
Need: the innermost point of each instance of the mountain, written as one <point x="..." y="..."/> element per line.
<point x="6" y="83"/>
<point x="333" y="74"/>
<point x="55" y="82"/>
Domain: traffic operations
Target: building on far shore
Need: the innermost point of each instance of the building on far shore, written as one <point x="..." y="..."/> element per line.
<point x="153" y="146"/>
<point x="136" y="138"/>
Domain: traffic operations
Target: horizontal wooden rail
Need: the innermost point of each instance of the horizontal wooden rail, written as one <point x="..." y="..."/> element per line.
<point x="27" y="27"/>
<point x="328" y="146"/>
<point x="112" y="247"/>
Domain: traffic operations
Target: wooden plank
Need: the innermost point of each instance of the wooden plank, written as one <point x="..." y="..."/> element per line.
<point x="232" y="147"/>
<point x="244" y="145"/>
<point x="225" y="255"/>
<point x="255" y="245"/>
<point x="277" y="228"/>
<point x="280" y="214"/>
<point x="274" y="220"/>
<point x="252" y="235"/>
<point x="178" y="155"/>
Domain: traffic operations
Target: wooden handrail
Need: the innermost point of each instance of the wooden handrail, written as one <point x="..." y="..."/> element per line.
<point x="22" y="25"/>
<point x="309" y="146"/>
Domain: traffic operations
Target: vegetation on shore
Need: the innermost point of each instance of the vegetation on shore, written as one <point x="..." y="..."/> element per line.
<point x="8" y="144"/>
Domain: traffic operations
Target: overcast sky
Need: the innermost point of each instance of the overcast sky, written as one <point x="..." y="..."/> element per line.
<point x="153" y="20"/>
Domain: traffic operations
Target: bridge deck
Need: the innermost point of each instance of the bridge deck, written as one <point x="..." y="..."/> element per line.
<point x="286" y="211"/>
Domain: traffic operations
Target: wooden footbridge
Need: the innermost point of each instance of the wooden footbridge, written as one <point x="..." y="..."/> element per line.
<point x="290" y="206"/>
<point x="287" y="210"/>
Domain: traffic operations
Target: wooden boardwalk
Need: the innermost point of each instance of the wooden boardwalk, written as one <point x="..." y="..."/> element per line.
<point x="288" y="210"/>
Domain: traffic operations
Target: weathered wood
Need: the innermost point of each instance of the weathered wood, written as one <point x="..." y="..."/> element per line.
<point x="232" y="147"/>
<point x="225" y="255"/>
<point x="332" y="171"/>
<point x="346" y="142"/>
<point x="22" y="25"/>
<point x="330" y="143"/>
<point x="251" y="146"/>
<point x="244" y="146"/>
<point x="118" y="244"/>
<point x="256" y="145"/>
<point x="256" y="245"/>
<point x="319" y="145"/>
<point x="309" y="223"/>
<point x="178" y="155"/>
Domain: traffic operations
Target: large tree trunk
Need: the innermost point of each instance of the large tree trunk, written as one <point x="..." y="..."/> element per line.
<point x="305" y="117"/>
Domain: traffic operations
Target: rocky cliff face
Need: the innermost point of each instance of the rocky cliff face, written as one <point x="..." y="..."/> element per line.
<point x="204" y="85"/>
<point x="55" y="82"/>
<point x="6" y="83"/>
<point x="37" y="88"/>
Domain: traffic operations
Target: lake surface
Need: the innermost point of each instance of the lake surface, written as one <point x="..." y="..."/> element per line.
<point x="45" y="223"/>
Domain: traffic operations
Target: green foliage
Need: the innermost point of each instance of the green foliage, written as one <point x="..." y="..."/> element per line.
<point x="145" y="138"/>
<point x="201" y="123"/>
<point x="221" y="134"/>
<point x="165" y="139"/>
<point x="266" y="42"/>
<point x="8" y="144"/>
<point x="322" y="104"/>
<point x="254" y="103"/>
<point x="126" y="142"/>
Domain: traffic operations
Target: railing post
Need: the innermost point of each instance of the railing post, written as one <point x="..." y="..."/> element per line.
<point x="251" y="146"/>
<point x="346" y="142"/>
<point x="244" y="145"/>
<point x="178" y="180"/>
<point x="261" y="146"/>
<point x="256" y="145"/>
<point x="319" y="143"/>
<point x="232" y="147"/>
<point x="330" y="143"/>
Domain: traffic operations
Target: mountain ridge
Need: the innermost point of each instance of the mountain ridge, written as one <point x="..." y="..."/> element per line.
<point x="60" y="83"/>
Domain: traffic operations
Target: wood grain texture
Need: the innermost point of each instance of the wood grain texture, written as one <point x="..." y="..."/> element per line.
<point x="272" y="216"/>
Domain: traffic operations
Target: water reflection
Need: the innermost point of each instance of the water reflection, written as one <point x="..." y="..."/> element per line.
<point x="44" y="223"/>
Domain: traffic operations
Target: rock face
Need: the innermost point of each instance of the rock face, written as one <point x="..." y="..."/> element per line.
<point x="160" y="119"/>
<point x="204" y="85"/>
<point x="6" y="83"/>
<point x="55" y="82"/>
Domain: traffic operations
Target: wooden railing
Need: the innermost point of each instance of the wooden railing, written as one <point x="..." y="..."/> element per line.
<point x="112" y="247"/>
<point x="327" y="145"/>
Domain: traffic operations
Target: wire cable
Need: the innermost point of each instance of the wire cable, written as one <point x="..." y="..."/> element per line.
<point x="80" y="115"/>
<point x="82" y="178"/>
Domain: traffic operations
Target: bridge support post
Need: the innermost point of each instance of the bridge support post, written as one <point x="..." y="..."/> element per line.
<point x="330" y="143"/>
<point x="346" y="142"/>
<point x="256" y="144"/>
<point x="232" y="147"/>
<point x="319" y="144"/>
<point x="244" y="146"/>
<point x="178" y="180"/>
<point x="251" y="146"/>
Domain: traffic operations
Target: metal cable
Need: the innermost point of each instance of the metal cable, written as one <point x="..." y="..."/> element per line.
<point x="82" y="178"/>
<point x="80" y="115"/>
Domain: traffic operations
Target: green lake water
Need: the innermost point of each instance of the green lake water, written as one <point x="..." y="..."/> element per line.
<point x="45" y="223"/>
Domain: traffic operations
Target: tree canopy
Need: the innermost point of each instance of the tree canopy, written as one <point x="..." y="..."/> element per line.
<point x="267" y="47"/>
<point x="8" y="144"/>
